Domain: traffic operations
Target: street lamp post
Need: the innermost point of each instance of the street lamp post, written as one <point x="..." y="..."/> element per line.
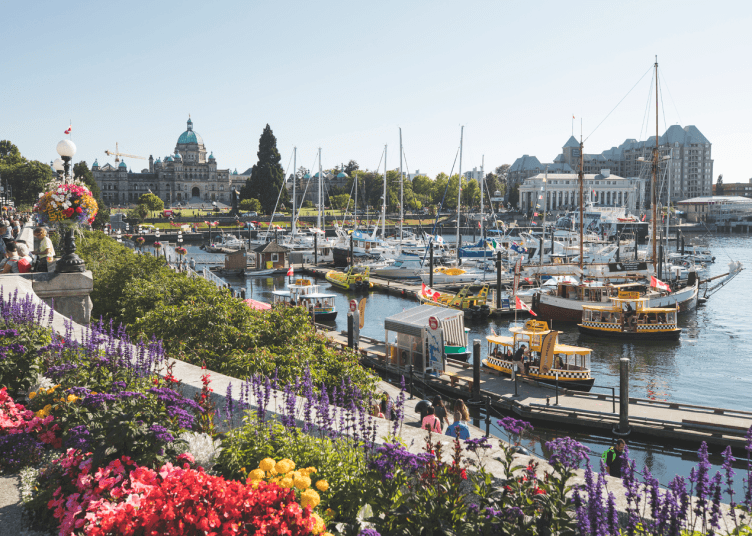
<point x="70" y="262"/>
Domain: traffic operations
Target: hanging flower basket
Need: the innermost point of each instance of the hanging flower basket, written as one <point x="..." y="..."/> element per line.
<point x="68" y="205"/>
<point x="157" y="245"/>
<point x="181" y="250"/>
<point x="128" y="236"/>
<point x="140" y="240"/>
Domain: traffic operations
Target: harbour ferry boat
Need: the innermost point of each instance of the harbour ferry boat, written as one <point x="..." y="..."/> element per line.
<point x="629" y="316"/>
<point x="549" y="359"/>
<point x="473" y="305"/>
<point x="350" y="280"/>
<point x="304" y="294"/>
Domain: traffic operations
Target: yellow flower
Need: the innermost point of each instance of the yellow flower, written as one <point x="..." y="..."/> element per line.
<point x="256" y="474"/>
<point x="302" y="482"/>
<point x="286" y="482"/>
<point x="267" y="464"/>
<point x="310" y="498"/>
<point x="330" y="513"/>
<point x="32" y="395"/>
<point x="285" y="466"/>
<point x="72" y="398"/>
<point x="326" y="534"/>
<point x="322" y="485"/>
<point x="318" y="524"/>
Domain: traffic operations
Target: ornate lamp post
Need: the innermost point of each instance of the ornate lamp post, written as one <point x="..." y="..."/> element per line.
<point x="70" y="261"/>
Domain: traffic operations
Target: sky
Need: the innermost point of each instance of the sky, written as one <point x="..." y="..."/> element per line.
<point x="346" y="76"/>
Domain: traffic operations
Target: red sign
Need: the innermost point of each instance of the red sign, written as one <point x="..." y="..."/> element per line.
<point x="433" y="323"/>
<point x="353" y="305"/>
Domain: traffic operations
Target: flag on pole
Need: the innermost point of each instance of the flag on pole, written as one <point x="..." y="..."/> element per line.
<point x="68" y="130"/>
<point x="429" y="293"/>
<point x="657" y="283"/>
<point x="290" y="272"/>
<point x="572" y="117"/>
<point x="493" y="332"/>
<point x="521" y="305"/>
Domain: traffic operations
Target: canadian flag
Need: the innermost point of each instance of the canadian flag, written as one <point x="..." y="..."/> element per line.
<point x="520" y="305"/>
<point x="290" y="272"/>
<point x="68" y="130"/>
<point x="657" y="283"/>
<point x="429" y="292"/>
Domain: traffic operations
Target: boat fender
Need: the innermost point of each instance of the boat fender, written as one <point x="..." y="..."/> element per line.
<point x="518" y="449"/>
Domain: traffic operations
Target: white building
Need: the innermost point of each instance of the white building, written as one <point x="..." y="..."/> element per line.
<point x="561" y="191"/>
<point x="476" y="174"/>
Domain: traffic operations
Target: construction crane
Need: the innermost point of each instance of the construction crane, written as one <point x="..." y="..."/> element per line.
<point x="117" y="154"/>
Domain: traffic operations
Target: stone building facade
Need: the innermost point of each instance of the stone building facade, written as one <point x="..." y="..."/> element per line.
<point x="187" y="176"/>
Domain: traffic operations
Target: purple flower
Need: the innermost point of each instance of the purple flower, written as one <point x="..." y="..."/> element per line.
<point x="392" y="457"/>
<point x="514" y="426"/>
<point x="369" y="532"/>
<point x="161" y="433"/>
<point x="477" y="445"/>
<point x="19" y="450"/>
<point x="567" y="452"/>
<point x="79" y="438"/>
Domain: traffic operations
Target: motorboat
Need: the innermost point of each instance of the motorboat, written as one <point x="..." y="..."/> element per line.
<point x="303" y="293"/>
<point x="550" y="362"/>
<point x="404" y="267"/>
<point x="352" y="279"/>
<point x="472" y="304"/>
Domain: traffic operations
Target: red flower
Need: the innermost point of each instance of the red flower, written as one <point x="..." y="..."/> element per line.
<point x="79" y="210"/>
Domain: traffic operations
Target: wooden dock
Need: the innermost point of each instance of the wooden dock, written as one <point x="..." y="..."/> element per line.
<point x="595" y="412"/>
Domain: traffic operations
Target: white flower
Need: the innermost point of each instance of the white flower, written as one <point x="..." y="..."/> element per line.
<point x="204" y="450"/>
<point x="54" y="205"/>
<point x="41" y="195"/>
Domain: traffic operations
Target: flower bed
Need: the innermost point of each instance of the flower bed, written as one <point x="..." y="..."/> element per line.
<point x="67" y="203"/>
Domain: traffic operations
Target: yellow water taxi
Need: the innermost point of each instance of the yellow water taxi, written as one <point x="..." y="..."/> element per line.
<point x="350" y="280"/>
<point x="473" y="305"/>
<point x="630" y="317"/>
<point x="548" y="359"/>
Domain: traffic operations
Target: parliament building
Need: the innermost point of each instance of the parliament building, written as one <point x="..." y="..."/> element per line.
<point x="187" y="177"/>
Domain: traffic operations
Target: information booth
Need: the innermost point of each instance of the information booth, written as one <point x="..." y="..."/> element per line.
<point x="412" y="340"/>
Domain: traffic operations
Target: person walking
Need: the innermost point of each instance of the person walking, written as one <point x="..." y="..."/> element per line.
<point x="193" y="264"/>
<point x="430" y="421"/>
<point x="613" y="458"/>
<point x="440" y="410"/>
<point x="458" y="427"/>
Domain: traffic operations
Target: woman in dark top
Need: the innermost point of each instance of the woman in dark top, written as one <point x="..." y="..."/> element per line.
<point x="440" y="410"/>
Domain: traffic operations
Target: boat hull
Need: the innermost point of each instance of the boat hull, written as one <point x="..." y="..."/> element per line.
<point x="662" y="335"/>
<point x="324" y="317"/>
<point x="575" y="384"/>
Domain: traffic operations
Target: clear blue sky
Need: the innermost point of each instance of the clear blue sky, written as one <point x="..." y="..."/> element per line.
<point x="344" y="76"/>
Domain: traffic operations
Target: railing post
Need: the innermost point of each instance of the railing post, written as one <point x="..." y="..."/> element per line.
<point x="514" y="379"/>
<point x="350" y="330"/>
<point x="411" y="382"/>
<point x="476" y="372"/>
<point x="557" y="389"/>
<point x="624" y="395"/>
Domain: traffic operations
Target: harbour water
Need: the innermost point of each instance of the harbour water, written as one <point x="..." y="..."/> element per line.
<point x="710" y="365"/>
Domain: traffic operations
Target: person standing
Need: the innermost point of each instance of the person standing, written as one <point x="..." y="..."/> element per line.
<point x="458" y="427"/>
<point x="46" y="251"/>
<point x="440" y="411"/>
<point x="431" y="422"/>
<point x="193" y="264"/>
<point x="614" y="457"/>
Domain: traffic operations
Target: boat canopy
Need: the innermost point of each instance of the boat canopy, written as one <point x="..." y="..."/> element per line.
<point x="564" y="349"/>
<point x="415" y="320"/>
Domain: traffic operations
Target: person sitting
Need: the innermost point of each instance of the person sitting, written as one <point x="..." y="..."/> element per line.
<point x="46" y="251"/>
<point x="11" y="254"/>
<point x="376" y="411"/>
<point x="24" y="262"/>
<point x="458" y="428"/>
<point x="430" y="421"/>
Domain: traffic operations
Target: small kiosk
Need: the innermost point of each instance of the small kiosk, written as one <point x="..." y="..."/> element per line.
<point x="424" y="337"/>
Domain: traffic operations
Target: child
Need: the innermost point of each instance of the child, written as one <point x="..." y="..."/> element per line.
<point x="431" y="422"/>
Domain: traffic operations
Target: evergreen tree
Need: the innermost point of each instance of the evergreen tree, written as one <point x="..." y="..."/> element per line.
<point x="82" y="172"/>
<point x="26" y="178"/>
<point x="267" y="176"/>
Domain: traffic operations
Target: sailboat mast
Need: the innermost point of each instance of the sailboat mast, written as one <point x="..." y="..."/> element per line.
<point x="582" y="200"/>
<point x="355" y="215"/>
<point x="402" y="192"/>
<point x="482" y="180"/>
<point x="459" y="192"/>
<point x="655" y="172"/>
<point x="294" y="183"/>
<point x="321" y="201"/>
<point x="383" y="204"/>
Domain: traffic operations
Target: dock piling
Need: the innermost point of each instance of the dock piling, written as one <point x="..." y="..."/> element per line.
<point x="514" y="379"/>
<point x="350" y="330"/>
<point x="624" y="395"/>
<point x="476" y="372"/>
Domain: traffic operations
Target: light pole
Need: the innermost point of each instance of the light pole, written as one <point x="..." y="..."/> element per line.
<point x="70" y="262"/>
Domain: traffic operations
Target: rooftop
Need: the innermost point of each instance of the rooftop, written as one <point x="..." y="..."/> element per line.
<point x="715" y="200"/>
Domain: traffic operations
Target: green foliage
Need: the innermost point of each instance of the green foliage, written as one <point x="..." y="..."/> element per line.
<point x="151" y="202"/>
<point x="19" y="366"/>
<point x="514" y="195"/>
<point x="26" y="178"/>
<point x="250" y="205"/>
<point x="339" y="201"/>
<point x="267" y="177"/>
<point x="199" y="323"/>
<point x="338" y="461"/>
<point x="308" y="204"/>
<point x="139" y="213"/>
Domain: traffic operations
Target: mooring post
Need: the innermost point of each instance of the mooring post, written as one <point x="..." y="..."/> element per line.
<point x="350" y="331"/>
<point x="498" y="279"/>
<point x="488" y="415"/>
<point x="557" y="389"/>
<point x="624" y="395"/>
<point x="682" y="245"/>
<point x="316" y="250"/>
<point x="516" y="373"/>
<point x="430" y="267"/>
<point x="618" y="244"/>
<point x="476" y="372"/>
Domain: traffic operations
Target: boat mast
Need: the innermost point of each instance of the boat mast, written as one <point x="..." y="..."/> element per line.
<point x="383" y="204"/>
<point x="459" y="193"/>
<point x="355" y="215"/>
<point x="543" y="223"/>
<point x="655" y="172"/>
<point x="402" y="193"/>
<point x="582" y="199"/>
<point x="482" y="180"/>
<point x="294" y="182"/>
<point x="321" y="201"/>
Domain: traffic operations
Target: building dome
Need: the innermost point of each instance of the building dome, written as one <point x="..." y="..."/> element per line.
<point x="158" y="161"/>
<point x="307" y="176"/>
<point x="177" y="156"/>
<point x="342" y="175"/>
<point x="122" y="165"/>
<point x="211" y="156"/>
<point x="189" y="136"/>
<point x="169" y="159"/>
<point x="95" y="164"/>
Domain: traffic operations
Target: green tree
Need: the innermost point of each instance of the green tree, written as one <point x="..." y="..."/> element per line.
<point x="422" y="185"/>
<point x="82" y="172"/>
<point x="267" y="176"/>
<point x="514" y="195"/>
<point x="719" y="185"/>
<point x="471" y="193"/>
<point x="26" y="179"/>
<point x="250" y="205"/>
<point x="339" y="201"/>
<point x="151" y="202"/>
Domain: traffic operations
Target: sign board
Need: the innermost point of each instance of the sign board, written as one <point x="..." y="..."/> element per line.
<point x="435" y="339"/>
<point x="630" y="266"/>
<point x="353" y="305"/>
<point x="547" y="352"/>
<point x="362" y="311"/>
<point x="518" y="266"/>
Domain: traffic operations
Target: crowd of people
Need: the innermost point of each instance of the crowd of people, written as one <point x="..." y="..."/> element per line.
<point x="435" y="417"/>
<point x="16" y="255"/>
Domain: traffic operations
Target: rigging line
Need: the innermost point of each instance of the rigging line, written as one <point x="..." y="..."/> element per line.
<point x="438" y="213"/>
<point x="617" y="104"/>
<point x="663" y="80"/>
<point x="644" y="123"/>
<point x="663" y="108"/>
